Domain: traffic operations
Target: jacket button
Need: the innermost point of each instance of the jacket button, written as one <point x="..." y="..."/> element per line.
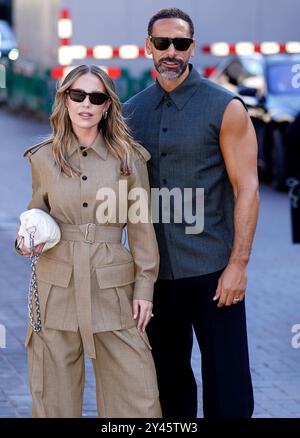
<point x="85" y="204"/>
<point x="163" y="154"/>
<point x="84" y="177"/>
<point x="165" y="129"/>
<point x="164" y="181"/>
<point x="84" y="153"/>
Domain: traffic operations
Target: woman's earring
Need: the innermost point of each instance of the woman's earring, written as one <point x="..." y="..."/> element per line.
<point x="105" y="115"/>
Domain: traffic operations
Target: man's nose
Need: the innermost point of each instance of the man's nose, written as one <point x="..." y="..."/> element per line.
<point x="171" y="50"/>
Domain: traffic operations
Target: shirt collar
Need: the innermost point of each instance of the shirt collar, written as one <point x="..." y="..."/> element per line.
<point x="182" y="94"/>
<point x="98" y="146"/>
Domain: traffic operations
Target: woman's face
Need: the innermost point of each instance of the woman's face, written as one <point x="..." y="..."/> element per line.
<point x="85" y="115"/>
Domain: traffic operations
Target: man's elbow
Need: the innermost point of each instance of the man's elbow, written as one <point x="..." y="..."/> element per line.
<point x="249" y="187"/>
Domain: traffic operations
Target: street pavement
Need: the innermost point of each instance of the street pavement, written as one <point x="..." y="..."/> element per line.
<point x="273" y="294"/>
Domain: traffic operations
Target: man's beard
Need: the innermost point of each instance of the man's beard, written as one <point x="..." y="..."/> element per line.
<point x="171" y="74"/>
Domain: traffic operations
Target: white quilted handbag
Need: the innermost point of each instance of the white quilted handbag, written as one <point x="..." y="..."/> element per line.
<point x="43" y="227"/>
<point x="36" y="227"/>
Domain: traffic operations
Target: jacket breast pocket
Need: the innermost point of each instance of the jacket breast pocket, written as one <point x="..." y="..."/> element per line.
<point x="113" y="297"/>
<point x="58" y="304"/>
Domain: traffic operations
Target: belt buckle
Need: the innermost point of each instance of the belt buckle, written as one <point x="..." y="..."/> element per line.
<point x="87" y="230"/>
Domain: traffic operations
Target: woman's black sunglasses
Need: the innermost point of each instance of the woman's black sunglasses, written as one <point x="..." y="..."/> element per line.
<point x="162" y="43"/>
<point x="96" y="98"/>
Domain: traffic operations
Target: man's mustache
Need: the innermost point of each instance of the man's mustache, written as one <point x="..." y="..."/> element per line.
<point x="175" y="60"/>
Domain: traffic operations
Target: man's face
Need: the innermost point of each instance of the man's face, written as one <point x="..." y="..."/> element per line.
<point x="170" y="63"/>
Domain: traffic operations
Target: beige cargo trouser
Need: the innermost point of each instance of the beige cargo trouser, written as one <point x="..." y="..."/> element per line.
<point x="126" y="385"/>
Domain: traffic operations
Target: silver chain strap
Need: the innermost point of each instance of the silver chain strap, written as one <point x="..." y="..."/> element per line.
<point x="33" y="290"/>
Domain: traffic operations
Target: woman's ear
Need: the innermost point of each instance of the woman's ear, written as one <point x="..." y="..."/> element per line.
<point x="107" y="105"/>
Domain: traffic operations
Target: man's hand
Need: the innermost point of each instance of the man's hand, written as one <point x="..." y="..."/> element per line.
<point x="232" y="285"/>
<point x="143" y="310"/>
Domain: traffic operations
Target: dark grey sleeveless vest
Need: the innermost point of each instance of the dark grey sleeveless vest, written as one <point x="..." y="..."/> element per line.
<point x="181" y="131"/>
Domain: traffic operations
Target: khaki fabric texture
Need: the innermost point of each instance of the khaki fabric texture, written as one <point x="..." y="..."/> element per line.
<point x="90" y="285"/>
<point x="126" y="384"/>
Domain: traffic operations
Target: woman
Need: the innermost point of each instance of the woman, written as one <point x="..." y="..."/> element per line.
<point x="95" y="295"/>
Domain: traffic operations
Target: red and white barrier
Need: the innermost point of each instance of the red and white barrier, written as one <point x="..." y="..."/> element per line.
<point x="248" y="48"/>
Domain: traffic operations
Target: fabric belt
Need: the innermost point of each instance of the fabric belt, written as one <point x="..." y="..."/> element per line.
<point x="83" y="236"/>
<point x="90" y="233"/>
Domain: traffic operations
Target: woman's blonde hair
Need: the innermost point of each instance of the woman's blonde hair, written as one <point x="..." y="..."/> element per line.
<point x="114" y="129"/>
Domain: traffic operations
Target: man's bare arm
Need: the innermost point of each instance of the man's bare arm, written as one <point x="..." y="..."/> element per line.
<point x="239" y="148"/>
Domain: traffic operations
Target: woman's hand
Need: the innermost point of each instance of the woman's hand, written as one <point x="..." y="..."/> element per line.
<point x="37" y="250"/>
<point x="143" y="310"/>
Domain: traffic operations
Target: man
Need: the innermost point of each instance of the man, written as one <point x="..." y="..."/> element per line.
<point x="199" y="136"/>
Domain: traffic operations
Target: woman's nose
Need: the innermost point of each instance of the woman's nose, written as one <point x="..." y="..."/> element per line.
<point x="86" y="101"/>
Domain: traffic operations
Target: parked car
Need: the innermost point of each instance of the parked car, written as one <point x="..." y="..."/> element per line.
<point x="270" y="86"/>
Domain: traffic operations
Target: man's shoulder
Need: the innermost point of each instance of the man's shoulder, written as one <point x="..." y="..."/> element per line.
<point x="140" y="98"/>
<point x="42" y="147"/>
<point x="217" y="89"/>
<point x="220" y="93"/>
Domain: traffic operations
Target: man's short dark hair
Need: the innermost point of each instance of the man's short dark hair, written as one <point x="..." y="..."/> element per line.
<point x="171" y="13"/>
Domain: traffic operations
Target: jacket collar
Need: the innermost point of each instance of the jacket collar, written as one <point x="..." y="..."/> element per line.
<point x="182" y="94"/>
<point x="98" y="146"/>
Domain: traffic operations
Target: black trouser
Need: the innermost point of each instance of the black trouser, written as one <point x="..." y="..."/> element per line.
<point x="180" y="305"/>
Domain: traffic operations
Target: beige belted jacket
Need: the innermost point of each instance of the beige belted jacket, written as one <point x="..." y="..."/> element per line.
<point x="88" y="281"/>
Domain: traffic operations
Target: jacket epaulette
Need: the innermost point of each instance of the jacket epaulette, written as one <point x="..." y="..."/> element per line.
<point x="144" y="153"/>
<point x="33" y="149"/>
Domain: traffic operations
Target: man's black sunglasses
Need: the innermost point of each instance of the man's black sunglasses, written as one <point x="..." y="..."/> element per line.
<point x="96" y="98"/>
<point x="162" y="43"/>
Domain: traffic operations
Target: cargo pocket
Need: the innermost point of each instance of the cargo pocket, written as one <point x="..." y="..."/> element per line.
<point x="54" y="272"/>
<point x="116" y="295"/>
<point x="115" y="275"/>
<point x="53" y="279"/>
<point x="43" y="293"/>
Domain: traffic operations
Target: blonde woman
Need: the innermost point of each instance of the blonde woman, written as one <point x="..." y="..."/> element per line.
<point x="95" y="295"/>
